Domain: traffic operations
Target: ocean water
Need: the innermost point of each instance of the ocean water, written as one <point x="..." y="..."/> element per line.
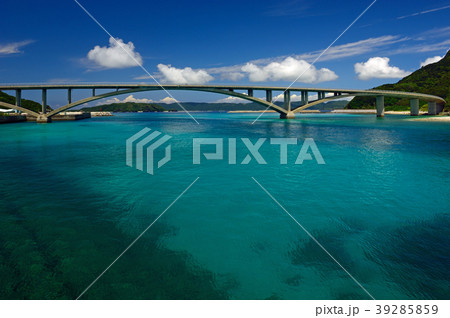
<point x="69" y="205"/>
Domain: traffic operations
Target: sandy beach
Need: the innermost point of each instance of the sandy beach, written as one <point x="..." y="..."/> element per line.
<point x="431" y="118"/>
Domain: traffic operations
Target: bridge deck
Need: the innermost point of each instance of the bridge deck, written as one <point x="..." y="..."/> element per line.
<point x="369" y="92"/>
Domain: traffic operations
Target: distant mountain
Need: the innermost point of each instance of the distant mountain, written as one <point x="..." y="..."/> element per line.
<point x="433" y="79"/>
<point x="214" y="107"/>
<point x="28" y="104"/>
<point x="126" y="108"/>
<point x="249" y="106"/>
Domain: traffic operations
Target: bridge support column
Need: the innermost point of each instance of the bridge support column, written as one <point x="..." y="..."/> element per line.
<point x="432" y="110"/>
<point x="44" y="100"/>
<point x="287" y="101"/>
<point x="320" y="95"/>
<point x="289" y="115"/>
<point x="69" y="96"/>
<point x="18" y="98"/>
<point x="269" y="96"/>
<point x="250" y="92"/>
<point x="414" y="104"/>
<point x="380" y="106"/>
<point x="303" y="97"/>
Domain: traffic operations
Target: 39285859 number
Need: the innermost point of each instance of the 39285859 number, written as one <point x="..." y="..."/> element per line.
<point x="407" y="309"/>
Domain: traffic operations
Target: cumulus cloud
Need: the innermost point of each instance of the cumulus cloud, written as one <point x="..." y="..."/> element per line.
<point x="132" y="99"/>
<point x="431" y="60"/>
<point x="12" y="48"/>
<point x="288" y="70"/>
<point x="183" y="76"/>
<point x="232" y="100"/>
<point x="168" y="100"/>
<point x="294" y="98"/>
<point x="378" y="67"/>
<point x="117" y="55"/>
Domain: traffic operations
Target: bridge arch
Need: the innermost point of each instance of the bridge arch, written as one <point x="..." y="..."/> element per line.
<point x="262" y="102"/>
<point x="23" y="110"/>
<point x="324" y="100"/>
<point x="424" y="97"/>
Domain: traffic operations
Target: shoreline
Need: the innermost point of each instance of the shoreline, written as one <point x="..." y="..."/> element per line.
<point x="335" y="111"/>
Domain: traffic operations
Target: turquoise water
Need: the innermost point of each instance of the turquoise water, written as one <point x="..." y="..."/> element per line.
<point x="69" y="206"/>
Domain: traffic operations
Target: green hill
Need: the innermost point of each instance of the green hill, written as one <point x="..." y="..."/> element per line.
<point x="128" y="107"/>
<point x="433" y="79"/>
<point x="28" y="104"/>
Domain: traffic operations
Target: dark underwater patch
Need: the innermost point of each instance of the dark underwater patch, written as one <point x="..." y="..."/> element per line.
<point x="416" y="257"/>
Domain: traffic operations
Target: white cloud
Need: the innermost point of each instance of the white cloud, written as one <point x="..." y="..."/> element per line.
<point x="422" y="48"/>
<point x="342" y="51"/>
<point x="235" y="73"/>
<point x="384" y="44"/>
<point x="12" y="48"/>
<point x="288" y="70"/>
<point x="298" y="98"/>
<point x="294" y="98"/>
<point x="232" y="100"/>
<point x="117" y="55"/>
<point x="431" y="60"/>
<point x="168" y="100"/>
<point x="424" y="12"/>
<point x="183" y="76"/>
<point x="132" y="99"/>
<point x="378" y="67"/>
<point x="232" y="76"/>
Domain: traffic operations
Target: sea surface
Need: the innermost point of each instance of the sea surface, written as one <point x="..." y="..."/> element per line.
<point x="380" y="205"/>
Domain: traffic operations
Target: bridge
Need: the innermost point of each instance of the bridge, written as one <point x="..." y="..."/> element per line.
<point x="435" y="103"/>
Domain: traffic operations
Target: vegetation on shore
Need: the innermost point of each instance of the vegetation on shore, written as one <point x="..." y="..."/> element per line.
<point x="26" y="103"/>
<point x="433" y="79"/>
<point x="127" y="107"/>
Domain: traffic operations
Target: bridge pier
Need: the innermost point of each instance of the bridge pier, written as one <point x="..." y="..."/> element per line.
<point x="287" y="101"/>
<point x="432" y="109"/>
<point x="269" y="96"/>
<point x="42" y="119"/>
<point x="289" y="115"/>
<point x="44" y="100"/>
<point x="69" y="96"/>
<point x="414" y="104"/>
<point x="18" y="98"/>
<point x="380" y="106"/>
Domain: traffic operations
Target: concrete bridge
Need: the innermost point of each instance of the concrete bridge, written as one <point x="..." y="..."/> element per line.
<point x="435" y="103"/>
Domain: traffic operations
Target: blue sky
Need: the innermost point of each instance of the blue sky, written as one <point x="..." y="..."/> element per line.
<point x="237" y="42"/>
